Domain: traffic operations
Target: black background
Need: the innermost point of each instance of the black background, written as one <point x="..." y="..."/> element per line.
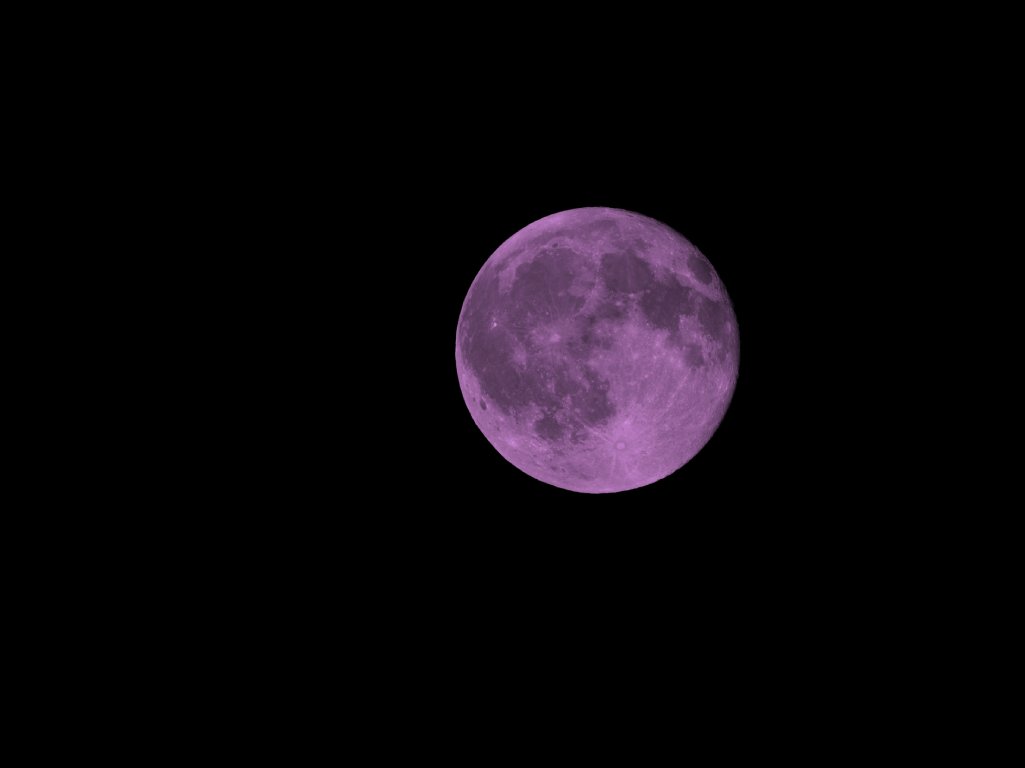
<point x="371" y="444"/>
<point x="783" y="499"/>
<point x="768" y="230"/>
<point x="354" y="513"/>
<point x="802" y="199"/>
<point x="334" y="500"/>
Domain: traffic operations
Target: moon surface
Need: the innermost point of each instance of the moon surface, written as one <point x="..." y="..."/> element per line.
<point x="597" y="350"/>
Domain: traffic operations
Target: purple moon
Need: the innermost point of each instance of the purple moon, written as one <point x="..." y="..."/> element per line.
<point x="597" y="350"/>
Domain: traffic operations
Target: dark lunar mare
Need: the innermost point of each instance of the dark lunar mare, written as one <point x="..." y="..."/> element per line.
<point x="590" y="338"/>
<point x="548" y="428"/>
<point x="665" y="302"/>
<point x="702" y="271"/>
<point x="593" y="403"/>
<point x="712" y="316"/>
<point x="693" y="356"/>
<point x="625" y="273"/>
<point x="539" y="294"/>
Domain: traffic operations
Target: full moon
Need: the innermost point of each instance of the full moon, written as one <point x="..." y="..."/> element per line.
<point x="597" y="350"/>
